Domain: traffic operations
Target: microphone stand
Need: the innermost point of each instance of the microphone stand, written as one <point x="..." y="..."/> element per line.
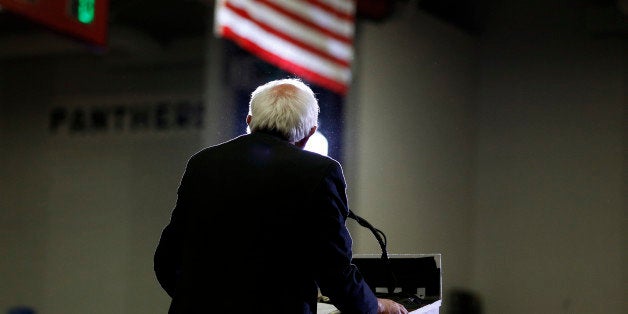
<point x="381" y="239"/>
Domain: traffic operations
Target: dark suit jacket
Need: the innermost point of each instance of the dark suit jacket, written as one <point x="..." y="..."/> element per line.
<point x="258" y="224"/>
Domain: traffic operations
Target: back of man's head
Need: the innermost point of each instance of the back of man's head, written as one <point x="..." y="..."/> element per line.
<point x="287" y="106"/>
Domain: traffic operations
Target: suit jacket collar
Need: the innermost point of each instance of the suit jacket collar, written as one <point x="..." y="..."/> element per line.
<point x="273" y="133"/>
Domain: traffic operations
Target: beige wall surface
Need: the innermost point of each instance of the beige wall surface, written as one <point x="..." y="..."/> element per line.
<point x="81" y="211"/>
<point x="551" y="185"/>
<point x="413" y="168"/>
<point x="550" y="208"/>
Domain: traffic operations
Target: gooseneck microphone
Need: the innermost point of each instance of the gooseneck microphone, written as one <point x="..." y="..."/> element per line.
<point x="381" y="239"/>
<point x="379" y="235"/>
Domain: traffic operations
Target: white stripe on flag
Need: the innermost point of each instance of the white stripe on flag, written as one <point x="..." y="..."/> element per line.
<point x="318" y="16"/>
<point x="344" y="6"/>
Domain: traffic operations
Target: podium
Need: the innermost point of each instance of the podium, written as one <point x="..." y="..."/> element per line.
<point x="414" y="280"/>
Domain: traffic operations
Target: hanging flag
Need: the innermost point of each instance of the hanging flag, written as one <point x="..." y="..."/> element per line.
<point x="312" y="39"/>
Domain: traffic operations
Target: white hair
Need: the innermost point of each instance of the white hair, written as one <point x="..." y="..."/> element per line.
<point x="287" y="106"/>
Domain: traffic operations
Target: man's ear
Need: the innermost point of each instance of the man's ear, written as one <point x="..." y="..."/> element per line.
<point x="302" y="142"/>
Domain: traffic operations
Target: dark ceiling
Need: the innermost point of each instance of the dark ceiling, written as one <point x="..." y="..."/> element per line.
<point x="163" y="20"/>
<point x="166" y="20"/>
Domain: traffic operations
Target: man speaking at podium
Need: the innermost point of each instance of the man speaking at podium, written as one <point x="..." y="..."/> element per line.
<point x="259" y="223"/>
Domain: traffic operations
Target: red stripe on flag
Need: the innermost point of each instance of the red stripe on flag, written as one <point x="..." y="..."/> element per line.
<point x="288" y="38"/>
<point x="307" y="22"/>
<point x="306" y="74"/>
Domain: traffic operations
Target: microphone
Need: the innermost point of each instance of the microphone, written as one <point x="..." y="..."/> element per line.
<point x="379" y="235"/>
<point x="381" y="239"/>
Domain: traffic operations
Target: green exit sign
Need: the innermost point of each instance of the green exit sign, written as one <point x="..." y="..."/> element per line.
<point x="84" y="10"/>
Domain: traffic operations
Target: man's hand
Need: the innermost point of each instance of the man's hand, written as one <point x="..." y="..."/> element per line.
<point x="387" y="306"/>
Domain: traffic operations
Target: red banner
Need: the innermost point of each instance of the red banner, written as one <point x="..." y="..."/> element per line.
<point x="59" y="15"/>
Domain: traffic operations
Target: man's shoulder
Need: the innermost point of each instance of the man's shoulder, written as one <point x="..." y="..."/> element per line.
<point x="322" y="159"/>
<point x="246" y="142"/>
<point x="220" y="145"/>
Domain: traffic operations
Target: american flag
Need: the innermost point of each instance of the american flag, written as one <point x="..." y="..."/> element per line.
<point x="312" y="39"/>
